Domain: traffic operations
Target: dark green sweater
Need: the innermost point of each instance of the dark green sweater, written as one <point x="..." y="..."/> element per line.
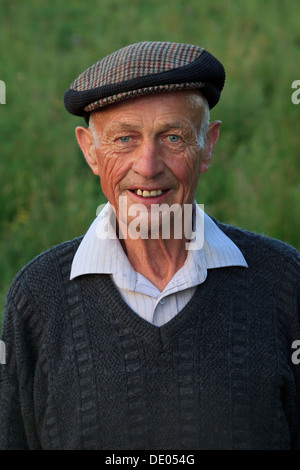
<point x="85" y="372"/>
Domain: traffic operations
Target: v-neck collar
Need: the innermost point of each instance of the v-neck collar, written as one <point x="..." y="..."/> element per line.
<point x="126" y="319"/>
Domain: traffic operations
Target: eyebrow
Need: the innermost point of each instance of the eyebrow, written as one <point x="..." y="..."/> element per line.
<point x="161" y="127"/>
<point x="174" y="125"/>
<point x="122" y="125"/>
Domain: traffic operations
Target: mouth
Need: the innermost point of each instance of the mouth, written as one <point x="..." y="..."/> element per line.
<point x="149" y="193"/>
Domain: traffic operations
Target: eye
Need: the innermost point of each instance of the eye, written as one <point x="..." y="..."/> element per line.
<point x="173" y="138"/>
<point x="124" y="139"/>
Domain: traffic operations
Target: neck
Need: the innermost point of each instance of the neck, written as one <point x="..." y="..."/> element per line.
<point x="157" y="260"/>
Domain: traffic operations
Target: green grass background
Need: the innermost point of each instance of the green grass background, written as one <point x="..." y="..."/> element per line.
<point x="47" y="192"/>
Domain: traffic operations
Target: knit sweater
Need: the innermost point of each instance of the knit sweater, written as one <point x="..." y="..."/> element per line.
<point x="85" y="372"/>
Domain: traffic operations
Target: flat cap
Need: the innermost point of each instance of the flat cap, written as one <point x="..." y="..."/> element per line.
<point x="143" y="68"/>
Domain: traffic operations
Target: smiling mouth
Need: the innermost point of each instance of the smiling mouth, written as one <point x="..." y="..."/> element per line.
<point x="148" y="194"/>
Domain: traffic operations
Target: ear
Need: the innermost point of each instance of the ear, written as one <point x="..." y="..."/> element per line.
<point x="212" y="137"/>
<point x="86" y="141"/>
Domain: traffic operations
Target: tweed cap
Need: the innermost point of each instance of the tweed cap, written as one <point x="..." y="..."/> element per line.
<point x="143" y="68"/>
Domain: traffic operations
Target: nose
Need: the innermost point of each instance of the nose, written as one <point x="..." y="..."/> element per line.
<point x="148" y="161"/>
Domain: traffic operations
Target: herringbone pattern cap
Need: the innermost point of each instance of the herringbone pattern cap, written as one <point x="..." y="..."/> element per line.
<point x="143" y="68"/>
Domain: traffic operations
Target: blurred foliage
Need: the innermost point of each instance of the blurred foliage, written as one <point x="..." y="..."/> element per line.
<point x="48" y="194"/>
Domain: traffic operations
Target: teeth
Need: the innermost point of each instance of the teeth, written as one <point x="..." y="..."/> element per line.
<point x="152" y="193"/>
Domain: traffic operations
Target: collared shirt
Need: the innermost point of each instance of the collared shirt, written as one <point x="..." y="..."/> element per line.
<point x="101" y="252"/>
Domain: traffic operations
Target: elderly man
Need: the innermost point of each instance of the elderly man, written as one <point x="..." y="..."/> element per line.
<point x="140" y="335"/>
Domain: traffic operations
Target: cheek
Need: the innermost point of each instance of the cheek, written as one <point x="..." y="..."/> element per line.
<point x="112" y="169"/>
<point x="186" y="167"/>
<point x="193" y="161"/>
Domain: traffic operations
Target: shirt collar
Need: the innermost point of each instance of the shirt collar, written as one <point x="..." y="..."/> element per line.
<point x="100" y="251"/>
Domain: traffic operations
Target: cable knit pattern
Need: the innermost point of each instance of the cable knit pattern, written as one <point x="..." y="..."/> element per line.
<point x="85" y="372"/>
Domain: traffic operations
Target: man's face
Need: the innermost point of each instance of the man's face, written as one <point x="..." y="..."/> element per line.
<point x="148" y="150"/>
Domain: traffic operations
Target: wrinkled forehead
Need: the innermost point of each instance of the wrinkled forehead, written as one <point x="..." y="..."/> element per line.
<point x="173" y="107"/>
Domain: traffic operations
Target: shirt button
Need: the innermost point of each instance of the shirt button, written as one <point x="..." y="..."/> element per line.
<point x="162" y="301"/>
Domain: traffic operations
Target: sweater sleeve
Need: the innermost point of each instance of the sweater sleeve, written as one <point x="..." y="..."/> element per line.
<point x="17" y="420"/>
<point x="296" y="441"/>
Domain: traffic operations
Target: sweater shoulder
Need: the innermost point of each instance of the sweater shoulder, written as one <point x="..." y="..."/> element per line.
<point x="44" y="264"/>
<point x="262" y="246"/>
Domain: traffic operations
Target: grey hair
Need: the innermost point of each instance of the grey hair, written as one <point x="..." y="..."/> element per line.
<point x="92" y="127"/>
<point x="196" y="100"/>
<point x="205" y="123"/>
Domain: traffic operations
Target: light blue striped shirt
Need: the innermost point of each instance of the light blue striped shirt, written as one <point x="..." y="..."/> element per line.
<point x="100" y="253"/>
